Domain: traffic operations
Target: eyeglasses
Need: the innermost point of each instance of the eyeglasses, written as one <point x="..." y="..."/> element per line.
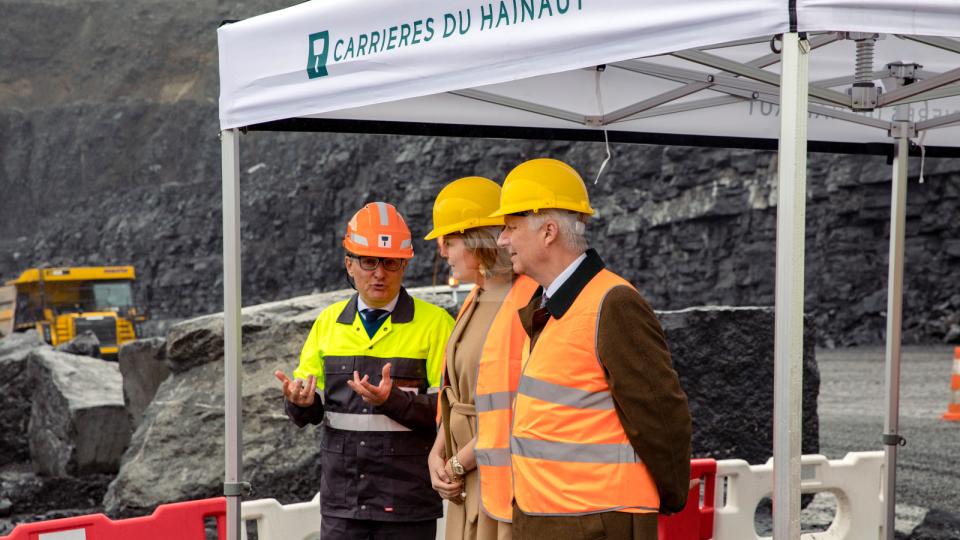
<point x="371" y="263"/>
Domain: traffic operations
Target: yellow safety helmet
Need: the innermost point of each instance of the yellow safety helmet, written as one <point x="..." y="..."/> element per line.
<point x="543" y="183"/>
<point x="465" y="204"/>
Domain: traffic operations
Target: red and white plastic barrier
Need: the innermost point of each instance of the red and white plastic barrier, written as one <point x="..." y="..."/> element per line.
<point x="180" y="521"/>
<point x="721" y="505"/>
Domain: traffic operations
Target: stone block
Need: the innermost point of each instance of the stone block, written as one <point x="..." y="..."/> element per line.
<point x="78" y="424"/>
<point x="724" y="357"/>
<point x="86" y="344"/>
<point x="15" y="395"/>
<point x="143" y="367"/>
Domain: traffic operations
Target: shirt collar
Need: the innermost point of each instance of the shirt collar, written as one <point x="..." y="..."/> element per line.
<point x="391" y="305"/>
<point x="567" y="272"/>
<point x="401" y="308"/>
<point x="566" y="292"/>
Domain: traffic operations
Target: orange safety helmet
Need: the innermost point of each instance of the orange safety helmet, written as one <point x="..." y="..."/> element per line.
<point x="378" y="230"/>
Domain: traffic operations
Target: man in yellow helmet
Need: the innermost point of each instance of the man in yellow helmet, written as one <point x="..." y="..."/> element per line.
<point x="370" y="371"/>
<point x="601" y="431"/>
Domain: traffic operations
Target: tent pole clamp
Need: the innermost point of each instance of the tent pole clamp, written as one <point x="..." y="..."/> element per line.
<point x="237" y="489"/>
<point x="900" y="130"/>
<point x="893" y="439"/>
<point x="593" y="120"/>
<point x="906" y="73"/>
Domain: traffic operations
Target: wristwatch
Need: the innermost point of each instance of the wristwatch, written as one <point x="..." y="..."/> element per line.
<point x="457" y="467"/>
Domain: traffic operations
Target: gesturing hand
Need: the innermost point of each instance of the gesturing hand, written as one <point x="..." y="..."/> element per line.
<point x="374" y="395"/>
<point x="295" y="391"/>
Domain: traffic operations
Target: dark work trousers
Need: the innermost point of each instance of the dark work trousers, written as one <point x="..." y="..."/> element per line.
<point x="602" y="526"/>
<point x="335" y="528"/>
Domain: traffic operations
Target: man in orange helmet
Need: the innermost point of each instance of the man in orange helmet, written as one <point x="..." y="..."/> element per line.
<point x="369" y="371"/>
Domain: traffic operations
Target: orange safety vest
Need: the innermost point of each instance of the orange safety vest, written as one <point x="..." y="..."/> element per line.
<point x="569" y="450"/>
<point x="497" y="381"/>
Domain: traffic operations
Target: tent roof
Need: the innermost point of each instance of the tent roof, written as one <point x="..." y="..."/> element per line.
<point x="513" y="74"/>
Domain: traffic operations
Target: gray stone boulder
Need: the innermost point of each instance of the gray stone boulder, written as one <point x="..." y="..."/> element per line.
<point x="724" y="357"/>
<point x="15" y="394"/>
<point x="78" y="424"/>
<point x="86" y="344"/>
<point x="177" y="450"/>
<point x="143" y="367"/>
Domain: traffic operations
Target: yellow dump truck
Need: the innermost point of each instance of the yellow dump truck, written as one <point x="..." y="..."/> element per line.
<point x="64" y="302"/>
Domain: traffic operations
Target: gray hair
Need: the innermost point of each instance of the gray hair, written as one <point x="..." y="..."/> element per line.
<point x="572" y="226"/>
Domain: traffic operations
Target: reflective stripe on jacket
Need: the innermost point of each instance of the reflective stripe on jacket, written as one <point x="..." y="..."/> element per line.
<point x="570" y="454"/>
<point x="497" y="379"/>
<point x="374" y="459"/>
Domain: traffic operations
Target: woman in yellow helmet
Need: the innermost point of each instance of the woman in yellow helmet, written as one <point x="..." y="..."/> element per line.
<point x="470" y="461"/>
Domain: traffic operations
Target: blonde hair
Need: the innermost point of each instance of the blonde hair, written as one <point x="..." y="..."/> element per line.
<point x="482" y="242"/>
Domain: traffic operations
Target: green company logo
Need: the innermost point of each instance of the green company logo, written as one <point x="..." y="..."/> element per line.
<point x="317" y="59"/>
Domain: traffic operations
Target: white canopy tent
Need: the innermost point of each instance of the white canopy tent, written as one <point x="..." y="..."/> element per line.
<point x="853" y="76"/>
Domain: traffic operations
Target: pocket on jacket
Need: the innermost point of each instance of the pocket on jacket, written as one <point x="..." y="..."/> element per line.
<point x="332" y="442"/>
<point x="337" y="476"/>
<point x="409" y="477"/>
<point x="407" y="446"/>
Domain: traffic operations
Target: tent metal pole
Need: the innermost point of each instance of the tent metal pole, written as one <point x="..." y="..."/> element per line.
<point x="788" y="331"/>
<point x="233" y="460"/>
<point x="898" y="213"/>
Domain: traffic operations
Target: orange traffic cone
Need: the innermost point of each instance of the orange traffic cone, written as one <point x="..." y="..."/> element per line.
<point x="953" y="409"/>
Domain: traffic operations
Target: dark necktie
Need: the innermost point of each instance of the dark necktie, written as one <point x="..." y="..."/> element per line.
<point x="373" y="319"/>
<point x="540" y="318"/>
<point x="373" y="315"/>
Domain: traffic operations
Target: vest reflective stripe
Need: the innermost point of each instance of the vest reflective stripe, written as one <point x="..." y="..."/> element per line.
<point x="498" y="374"/>
<point x="570" y="454"/>
<point x="497" y="457"/>
<point x="587" y="453"/>
<point x="564" y="395"/>
<point x="362" y="422"/>
<point x="494" y="401"/>
<point x="433" y="390"/>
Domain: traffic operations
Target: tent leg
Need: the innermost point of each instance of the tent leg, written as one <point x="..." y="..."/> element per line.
<point x="788" y="336"/>
<point x="230" y="150"/>
<point x="898" y="213"/>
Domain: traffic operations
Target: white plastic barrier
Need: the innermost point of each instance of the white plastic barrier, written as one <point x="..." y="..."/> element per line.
<point x="298" y="521"/>
<point x="855" y="481"/>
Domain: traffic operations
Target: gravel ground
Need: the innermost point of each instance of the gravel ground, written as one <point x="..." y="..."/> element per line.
<point x="852" y="405"/>
<point x="851" y="408"/>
